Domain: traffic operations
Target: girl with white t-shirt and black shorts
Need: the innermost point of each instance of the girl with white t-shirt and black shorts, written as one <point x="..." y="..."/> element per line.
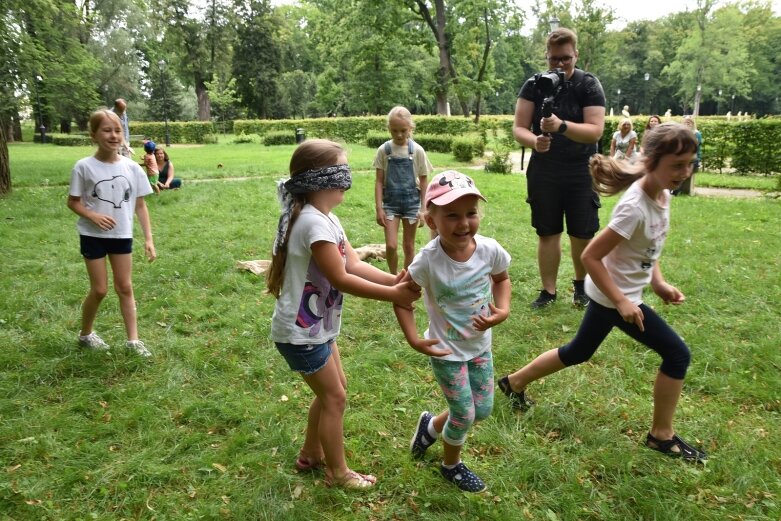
<point x="620" y="262"/>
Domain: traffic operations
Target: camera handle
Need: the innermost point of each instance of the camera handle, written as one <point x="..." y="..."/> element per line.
<point x="547" y="109"/>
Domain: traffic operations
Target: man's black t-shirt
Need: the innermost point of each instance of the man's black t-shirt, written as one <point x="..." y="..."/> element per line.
<point x="584" y="90"/>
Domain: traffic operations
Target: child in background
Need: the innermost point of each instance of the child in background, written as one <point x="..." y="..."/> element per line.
<point x="621" y="261"/>
<point x="402" y="170"/>
<point x="105" y="190"/>
<point x="687" y="188"/>
<point x="150" y="162"/>
<point x="312" y="265"/>
<point x="463" y="274"/>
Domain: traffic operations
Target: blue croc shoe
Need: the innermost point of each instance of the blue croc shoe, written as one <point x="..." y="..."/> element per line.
<point x="463" y="478"/>
<point x="421" y="440"/>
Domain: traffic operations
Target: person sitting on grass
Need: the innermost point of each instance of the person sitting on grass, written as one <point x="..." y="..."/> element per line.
<point x="166" y="179"/>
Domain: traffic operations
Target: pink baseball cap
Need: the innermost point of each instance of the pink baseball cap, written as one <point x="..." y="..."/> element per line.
<point x="449" y="186"/>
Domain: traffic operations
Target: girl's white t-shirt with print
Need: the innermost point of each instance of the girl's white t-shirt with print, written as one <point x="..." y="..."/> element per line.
<point x="109" y="189"/>
<point x="309" y="309"/>
<point x="455" y="291"/>
<point x="644" y="224"/>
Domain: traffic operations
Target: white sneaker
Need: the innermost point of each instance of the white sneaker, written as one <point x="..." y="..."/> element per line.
<point x="93" y="341"/>
<point x="139" y="347"/>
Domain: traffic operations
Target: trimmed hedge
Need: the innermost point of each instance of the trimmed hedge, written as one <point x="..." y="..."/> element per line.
<point x="357" y="129"/>
<point x="279" y="138"/>
<point x="179" y="131"/>
<point x="748" y="147"/>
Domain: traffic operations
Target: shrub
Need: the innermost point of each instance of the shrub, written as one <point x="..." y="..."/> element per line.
<point x="375" y="139"/>
<point x="433" y="143"/>
<point x="179" y="131"/>
<point x="464" y="148"/>
<point x="209" y="139"/>
<point x="246" y="138"/>
<point x="499" y="161"/>
<point x="279" y="138"/>
<point x="69" y="140"/>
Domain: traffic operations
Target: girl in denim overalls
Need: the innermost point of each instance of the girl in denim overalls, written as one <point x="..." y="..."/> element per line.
<point x="402" y="171"/>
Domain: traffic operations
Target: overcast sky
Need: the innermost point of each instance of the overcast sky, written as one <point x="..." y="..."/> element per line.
<point x="628" y="10"/>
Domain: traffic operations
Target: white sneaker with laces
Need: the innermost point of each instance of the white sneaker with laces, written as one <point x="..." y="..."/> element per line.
<point x="93" y="341"/>
<point x="139" y="347"/>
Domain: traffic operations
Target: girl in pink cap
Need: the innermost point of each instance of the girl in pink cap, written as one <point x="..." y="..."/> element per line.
<point x="467" y="293"/>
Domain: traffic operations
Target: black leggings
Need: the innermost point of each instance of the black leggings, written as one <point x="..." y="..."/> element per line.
<point x="599" y="320"/>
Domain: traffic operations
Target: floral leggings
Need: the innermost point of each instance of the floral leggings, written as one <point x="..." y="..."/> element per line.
<point x="469" y="391"/>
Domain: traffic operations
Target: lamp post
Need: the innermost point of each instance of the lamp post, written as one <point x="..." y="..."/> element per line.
<point x="554" y="23"/>
<point x="161" y="63"/>
<point x="732" y="106"/>
<point x="718" y="103"/>
<point x="618" y="100"/>
<point x="646" y="77"/>
<point x="42" y="127"/>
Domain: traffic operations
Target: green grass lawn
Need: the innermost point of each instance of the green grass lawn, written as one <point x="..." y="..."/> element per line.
<point x="209" y="428"/>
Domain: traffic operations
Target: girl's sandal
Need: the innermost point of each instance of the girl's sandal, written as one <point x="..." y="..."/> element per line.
<point x="306" y="463"/>
<point x="351" y="480"/>
<point x="685" y="450"/>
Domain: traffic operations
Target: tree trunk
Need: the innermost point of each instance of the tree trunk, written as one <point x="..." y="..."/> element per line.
<point x="5" y="166"/>
<point x="438" y="29"/>
<point x="204" y="104"/>
<point x="483" y="65"/>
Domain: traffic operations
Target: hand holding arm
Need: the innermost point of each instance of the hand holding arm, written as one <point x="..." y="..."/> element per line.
<point x="359" y="278"/>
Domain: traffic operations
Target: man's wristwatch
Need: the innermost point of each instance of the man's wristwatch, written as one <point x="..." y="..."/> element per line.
<point x="562" y="127"/>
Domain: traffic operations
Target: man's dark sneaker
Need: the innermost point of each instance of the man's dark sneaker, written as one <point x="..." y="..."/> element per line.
<point x="421" y="440"/>
<point x="544" y="299"/>
<point x="519" y="400"/>
<point x="579" y="298"/>
<point x="464" y="478"/>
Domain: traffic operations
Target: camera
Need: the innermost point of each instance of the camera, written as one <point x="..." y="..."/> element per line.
<point x="549" y="85"/>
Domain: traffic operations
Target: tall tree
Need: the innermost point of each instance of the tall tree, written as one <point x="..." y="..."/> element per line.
<point x="256" y="62"/>
<point x="712" y="56"/>
<point x="198" y="40"/>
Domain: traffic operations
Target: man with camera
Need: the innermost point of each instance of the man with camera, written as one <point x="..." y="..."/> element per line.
<point x="560" y="115"/>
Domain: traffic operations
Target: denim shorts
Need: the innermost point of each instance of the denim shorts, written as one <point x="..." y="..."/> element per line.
<point x="306" y="359"/>
<point x="98" y="247"/>
<point x="404" y="205"/>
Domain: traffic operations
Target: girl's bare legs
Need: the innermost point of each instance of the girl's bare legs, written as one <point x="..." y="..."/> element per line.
<point x="312" y="449"/>
<point x="545" y="364"/>
<point x="408" y="240"/>
<point x="122" y="267"/>
<point x="392" y="244"/>
<point x="667" y="391"/>
<point x="328" y="385"/>
<point x="98" y="288"/>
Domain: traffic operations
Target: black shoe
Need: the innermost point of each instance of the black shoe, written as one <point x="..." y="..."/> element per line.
<point x="579" y="298"/>
<point x="677" y="447"/>
<point x="464" y="478"/>
<point x="421" y="440"/>
<point x="544" y="299"/>
<point x="519" y="400"/>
